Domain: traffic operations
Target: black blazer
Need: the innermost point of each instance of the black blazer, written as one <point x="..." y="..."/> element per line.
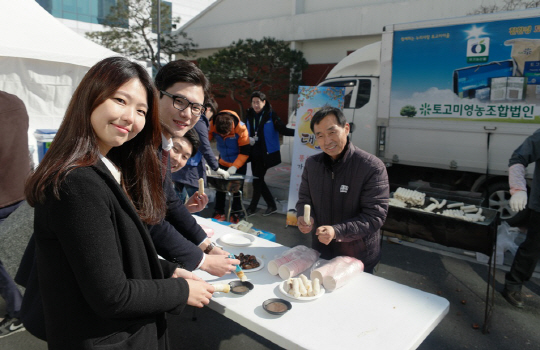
<point x="100" y="279"/>
<point x="177" y="237"/>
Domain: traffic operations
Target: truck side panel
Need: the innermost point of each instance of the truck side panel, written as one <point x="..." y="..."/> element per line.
<point x="451" y="85"/>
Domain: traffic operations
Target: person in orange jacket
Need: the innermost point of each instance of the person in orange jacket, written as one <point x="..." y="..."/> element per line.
<point x="232" y="139"/>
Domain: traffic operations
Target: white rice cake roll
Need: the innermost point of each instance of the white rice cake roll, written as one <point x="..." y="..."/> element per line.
<point x="431" y="207"/>
<point x="467" y="207"/>
<point x="288" y="285"/>
<point x="296" y="288"/>
<point x="397" y="203"/>
<point x="222" y="287"/>
<point x="201" y="186"/>
<point x="316" y="287"/>
<point x="306" y="283"/>
<point x="302" y="288"/>
<point x="455" y="205"/>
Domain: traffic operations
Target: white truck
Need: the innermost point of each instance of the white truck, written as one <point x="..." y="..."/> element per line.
<point x="447" y="101"/>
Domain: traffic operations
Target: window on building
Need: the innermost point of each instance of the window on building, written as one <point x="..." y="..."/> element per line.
<point x="166" y="23"/>
<point x="89" y="11"/>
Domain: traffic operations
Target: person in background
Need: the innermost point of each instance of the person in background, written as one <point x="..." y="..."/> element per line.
<point x="264" y="127"/>
<point x="348" y="191"/>
<point x="183" y="89"/>
<point x="186" y="181"/>
<point x="233" y="145"/>
<point x="15" y="162"/>
<point x="101" y="282"/>
<point x="183" y="148"/>
<point x="528" y="252"/>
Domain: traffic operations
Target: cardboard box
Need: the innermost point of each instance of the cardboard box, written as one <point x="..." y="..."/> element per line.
<point x="515" y="88"/>
<point x="498" y="89"/>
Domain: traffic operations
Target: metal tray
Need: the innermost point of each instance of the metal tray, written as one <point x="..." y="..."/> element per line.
<point x="233" y="184"/>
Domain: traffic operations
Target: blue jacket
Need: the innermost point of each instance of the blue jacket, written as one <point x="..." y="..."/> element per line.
<point x="267" y="145"/>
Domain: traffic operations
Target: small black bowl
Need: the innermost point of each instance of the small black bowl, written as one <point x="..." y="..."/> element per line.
<point x="276" y="306"/>
<point x="239" y="287"/>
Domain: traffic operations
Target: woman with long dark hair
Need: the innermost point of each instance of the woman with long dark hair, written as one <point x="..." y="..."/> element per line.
<point x="95" y="190"/>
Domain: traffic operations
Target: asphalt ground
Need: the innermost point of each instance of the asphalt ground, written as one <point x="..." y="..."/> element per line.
<point x="428" y="267"/>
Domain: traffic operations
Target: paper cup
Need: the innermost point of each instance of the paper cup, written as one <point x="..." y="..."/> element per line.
<point x="330" y="283"/>
<point x="294" y="268"/>
<point x="274" y="265"/>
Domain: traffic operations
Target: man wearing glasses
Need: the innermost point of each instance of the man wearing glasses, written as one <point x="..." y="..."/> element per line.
<point x="183" y="89"/>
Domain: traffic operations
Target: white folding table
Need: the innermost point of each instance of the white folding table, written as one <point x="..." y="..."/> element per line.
<point x="369" y="312"/>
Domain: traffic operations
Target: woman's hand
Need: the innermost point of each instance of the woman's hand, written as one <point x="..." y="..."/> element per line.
<point x="188" y="275"/>
<point x="200" y="293"/>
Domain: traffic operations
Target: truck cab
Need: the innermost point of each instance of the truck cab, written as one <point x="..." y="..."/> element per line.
<point x="359" y="74"/>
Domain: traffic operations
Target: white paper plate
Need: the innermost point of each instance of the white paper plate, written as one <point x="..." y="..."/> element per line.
<point x="237" y="239"/>
<point x="282" y="290"/>
<point x="261" y="265"/>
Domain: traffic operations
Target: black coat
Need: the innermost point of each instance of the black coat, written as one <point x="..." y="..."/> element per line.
<point x="351" y="195"/>
<point x="100" y="279"/>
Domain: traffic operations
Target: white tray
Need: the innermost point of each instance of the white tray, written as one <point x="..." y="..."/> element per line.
<point x="237" y="239"/>
<point x="282" y="290"/>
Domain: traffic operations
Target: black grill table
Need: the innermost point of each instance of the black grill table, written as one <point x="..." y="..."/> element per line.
<point x="230" y="187"/>
<point x="451" y="232"/>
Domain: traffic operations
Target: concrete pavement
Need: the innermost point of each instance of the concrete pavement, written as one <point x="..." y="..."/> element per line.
<point x="428" y="267"/>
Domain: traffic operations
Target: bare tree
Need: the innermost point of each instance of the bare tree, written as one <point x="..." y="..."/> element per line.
<point x="248" y="65"/>
<point x="131" y="30"/>
<point x="508" y="5"/>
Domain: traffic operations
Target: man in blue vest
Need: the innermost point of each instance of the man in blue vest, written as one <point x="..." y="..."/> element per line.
<point x="264" y="127"/>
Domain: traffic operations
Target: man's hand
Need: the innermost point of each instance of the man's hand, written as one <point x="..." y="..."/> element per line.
<point x="232" y="170"/>
<point x="518" y="201"/>
<point x="302" y="226"/>
<point x="219" y="265"/>
<point x="223" y="173"/>
<point x="219" y="251"/>
<point x="215" y="251"/>
<point x="200" y="293"/>
<point x="197" y="202"/>
<point x="325" y="234"/>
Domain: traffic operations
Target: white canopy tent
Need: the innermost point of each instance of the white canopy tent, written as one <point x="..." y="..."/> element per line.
<point x="42" y="61"/>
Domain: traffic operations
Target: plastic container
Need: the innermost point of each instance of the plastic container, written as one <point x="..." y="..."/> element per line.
<point x="44" y="138"/>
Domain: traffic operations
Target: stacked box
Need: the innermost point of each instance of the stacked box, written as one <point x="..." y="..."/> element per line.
<point x="498" y="89"/>
<point x="515" y="88"/>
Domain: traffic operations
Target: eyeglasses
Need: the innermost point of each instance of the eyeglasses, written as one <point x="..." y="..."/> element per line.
<point x="181" y="103"/>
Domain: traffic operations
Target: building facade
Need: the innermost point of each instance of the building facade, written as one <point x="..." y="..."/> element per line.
<point x="89" y="15"/>
<point x="325" y="31"/>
